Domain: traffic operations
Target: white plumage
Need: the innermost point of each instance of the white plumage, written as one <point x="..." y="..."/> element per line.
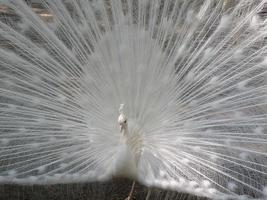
<point x="192" y="76"/>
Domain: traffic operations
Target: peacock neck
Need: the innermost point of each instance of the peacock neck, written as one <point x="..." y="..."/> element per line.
<point x="125" y="134"/>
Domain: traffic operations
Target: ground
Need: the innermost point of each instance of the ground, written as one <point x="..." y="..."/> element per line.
<point x="116" y="189"/>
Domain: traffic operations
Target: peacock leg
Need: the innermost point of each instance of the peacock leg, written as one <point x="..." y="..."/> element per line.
<point x="131" y="192"/>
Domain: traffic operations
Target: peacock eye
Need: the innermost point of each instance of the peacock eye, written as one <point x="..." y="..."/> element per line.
<point x="125" y="121"/>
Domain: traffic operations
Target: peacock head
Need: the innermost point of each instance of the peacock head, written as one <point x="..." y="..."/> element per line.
<point x="122" y="120"/>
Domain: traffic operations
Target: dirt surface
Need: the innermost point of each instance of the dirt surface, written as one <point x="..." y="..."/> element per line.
<point x="116" y="189"/>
